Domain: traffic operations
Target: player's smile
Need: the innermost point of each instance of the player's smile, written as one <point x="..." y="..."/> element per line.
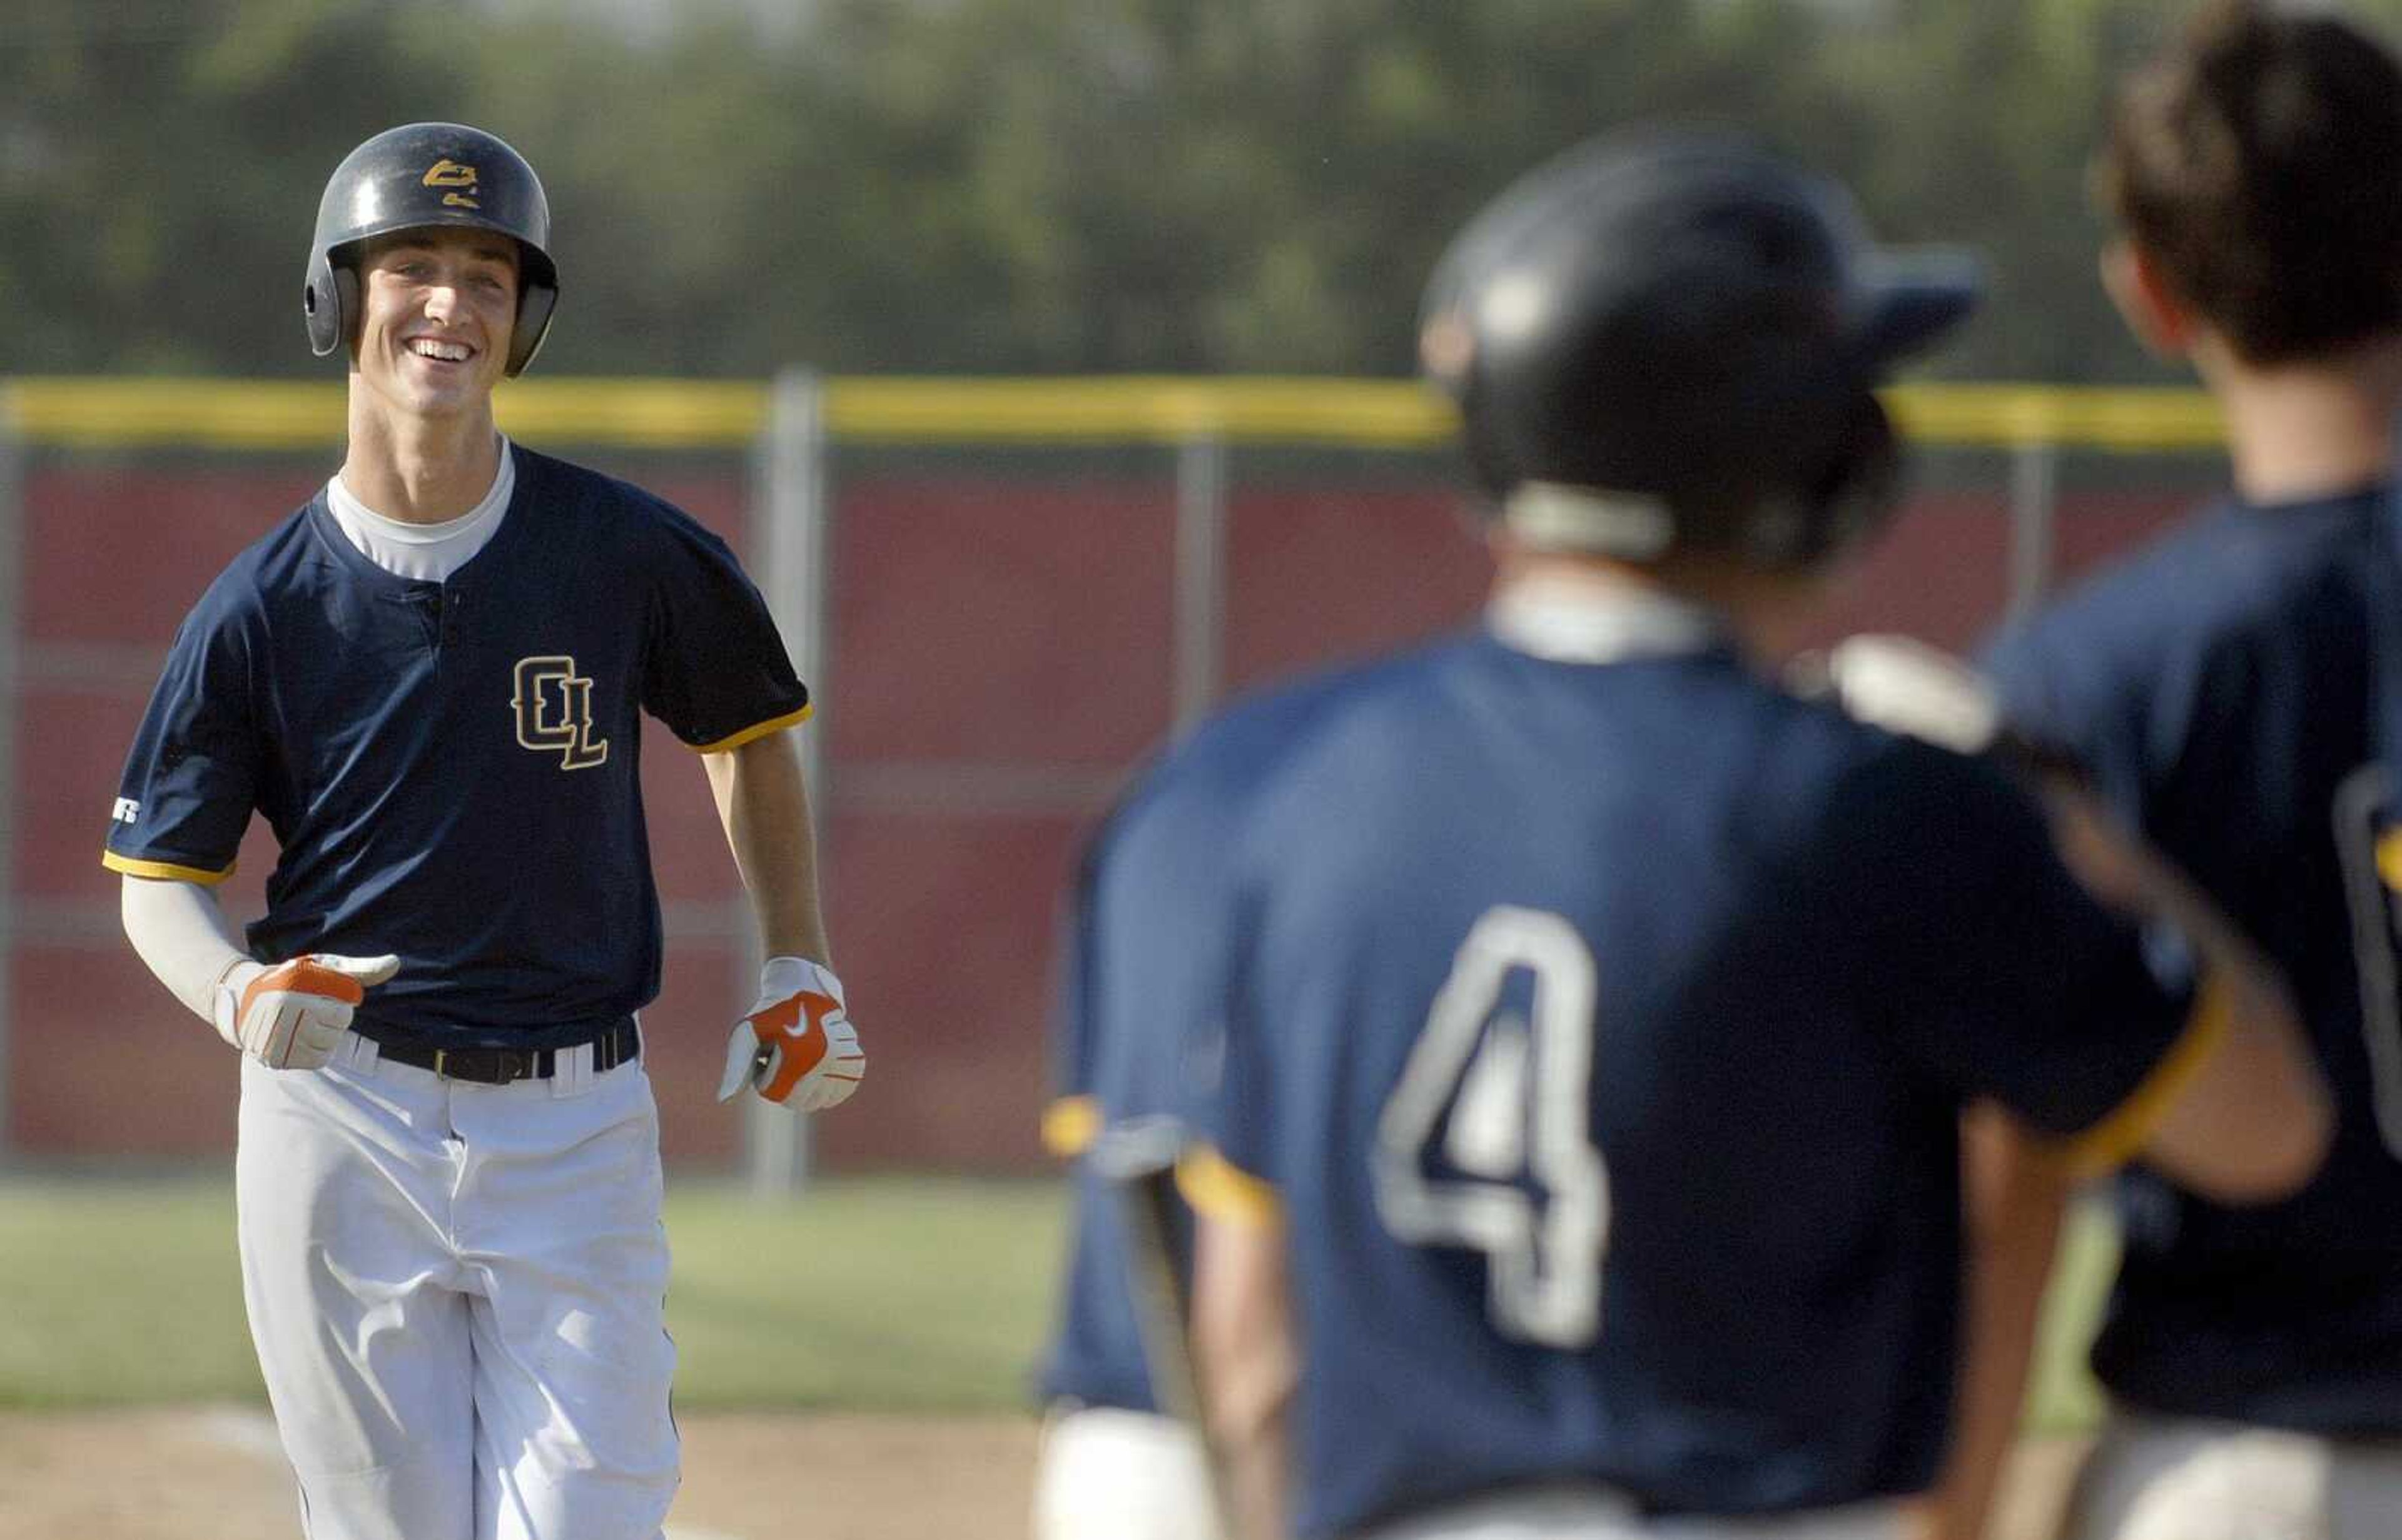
<point x="440" y="351"/>
<point x="437" y="309"/>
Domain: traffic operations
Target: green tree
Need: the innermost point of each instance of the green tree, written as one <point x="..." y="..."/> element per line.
<point x="1008" y="186"/>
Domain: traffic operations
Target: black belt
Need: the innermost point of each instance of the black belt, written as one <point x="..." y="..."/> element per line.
<point x="616" y="1043"/>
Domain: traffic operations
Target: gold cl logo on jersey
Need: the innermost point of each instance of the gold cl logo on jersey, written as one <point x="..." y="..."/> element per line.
<point x="459" y="179"/>
<point x="554" y="707"/>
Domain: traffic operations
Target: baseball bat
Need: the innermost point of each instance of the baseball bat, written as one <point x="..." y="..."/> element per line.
<point x="1138" y="1158"/>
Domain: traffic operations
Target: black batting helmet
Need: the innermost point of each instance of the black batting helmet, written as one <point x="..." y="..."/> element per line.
<point x="429" y="176"/>
<point x="1671" y="341"/>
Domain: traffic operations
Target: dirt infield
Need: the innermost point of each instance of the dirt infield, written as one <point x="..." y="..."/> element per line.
<point x="206" y="1473"/>
<point x="202" y="1473"/>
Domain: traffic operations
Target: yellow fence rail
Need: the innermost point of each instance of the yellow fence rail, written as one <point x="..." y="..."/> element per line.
<point x="685" y="414"/>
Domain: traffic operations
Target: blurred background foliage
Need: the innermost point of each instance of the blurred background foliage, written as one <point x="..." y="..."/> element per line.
<point x="1007" y="185"/>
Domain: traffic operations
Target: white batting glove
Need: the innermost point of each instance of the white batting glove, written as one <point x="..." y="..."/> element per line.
<point x="1905" y="686"/>
<point x="292" y="1015"/>
<point x="797" y="1048"/>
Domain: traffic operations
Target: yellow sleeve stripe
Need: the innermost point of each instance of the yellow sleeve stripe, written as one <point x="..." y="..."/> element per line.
<point x="1069" y="1126"/>
<point x="2389" y="859"/>
<point x="2112" y="1142"/>
<point x="1215" y="1186"/>
<point x="167" y="870"/>
<point x="751" y="735"/>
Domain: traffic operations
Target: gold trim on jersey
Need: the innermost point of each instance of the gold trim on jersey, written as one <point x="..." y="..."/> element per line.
<point x="751" y="734"/>
<point x="167" y="871"/>
<point x="2389" y="859"/>
<point x="2112" y="1142"/>
<point x="1069" y="1126"/>
<point x="1217" y="1187"/>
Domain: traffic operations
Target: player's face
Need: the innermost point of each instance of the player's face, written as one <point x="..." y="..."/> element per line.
<point x="436" y="310"/>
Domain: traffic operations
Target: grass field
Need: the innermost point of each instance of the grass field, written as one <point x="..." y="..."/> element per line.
<point x="877" y="1333"/>
<point x="918" y="1294"/>
<point x="874" y="1294"/>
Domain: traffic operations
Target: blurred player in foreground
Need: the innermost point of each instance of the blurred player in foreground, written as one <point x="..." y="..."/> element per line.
<point x="2235" y="693"/>
<point x="1119" y="1457"/>
<point x="1589" y="1018"/>
<point x="429" y="682"/>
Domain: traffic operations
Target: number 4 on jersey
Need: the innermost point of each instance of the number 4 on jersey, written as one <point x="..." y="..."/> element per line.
<point x="1486" y="1141"/>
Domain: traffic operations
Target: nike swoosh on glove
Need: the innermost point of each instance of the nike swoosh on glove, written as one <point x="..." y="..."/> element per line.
<point x="292" y="1015"/>
<point x="797" y="1048"/>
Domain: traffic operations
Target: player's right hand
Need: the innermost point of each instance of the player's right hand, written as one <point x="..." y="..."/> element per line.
<point x="291" y="1016"/>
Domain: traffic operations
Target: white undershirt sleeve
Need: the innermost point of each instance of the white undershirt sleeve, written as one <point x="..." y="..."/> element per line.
<point x="182" y="934"/>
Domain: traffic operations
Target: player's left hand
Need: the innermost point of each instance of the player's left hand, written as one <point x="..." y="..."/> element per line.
<point x="797" y="1048"/>
<point x="1905" y="686"/>
<point x="293" y="1015"/>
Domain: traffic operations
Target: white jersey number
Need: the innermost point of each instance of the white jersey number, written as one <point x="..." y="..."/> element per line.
<point x="2369" y="839"/>
<point x="1507" y="1104"/>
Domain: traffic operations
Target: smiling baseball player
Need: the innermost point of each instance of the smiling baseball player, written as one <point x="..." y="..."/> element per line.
<point x="429" y="682"/>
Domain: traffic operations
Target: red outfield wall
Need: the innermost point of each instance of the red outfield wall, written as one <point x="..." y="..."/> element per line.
<point x="1000" y="654"/>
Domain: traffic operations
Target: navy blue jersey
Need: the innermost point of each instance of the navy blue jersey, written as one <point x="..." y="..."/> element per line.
<point x="1136" y="991"/>
<point x="2224" y="687"/>
<point x="450" y="770"/>
<point x="1601" y="1031"/>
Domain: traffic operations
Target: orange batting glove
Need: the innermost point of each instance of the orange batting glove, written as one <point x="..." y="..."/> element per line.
<point x="291" y="1016"/>
<point x="797" y="1048"/>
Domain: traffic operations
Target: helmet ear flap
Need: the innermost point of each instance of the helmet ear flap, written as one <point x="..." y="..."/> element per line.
<point x="329" y="302"/>
<point x="345" y="302"/>
<point x="534" y="306"/>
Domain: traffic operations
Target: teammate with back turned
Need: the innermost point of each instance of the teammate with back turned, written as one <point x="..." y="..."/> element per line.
<point x="2235" y="692"/>
<point x="1586" y="1019"/>
<point x="429" y="682"/>
<point x="1119" y="1459"/>
<point x="1145" y="957"/>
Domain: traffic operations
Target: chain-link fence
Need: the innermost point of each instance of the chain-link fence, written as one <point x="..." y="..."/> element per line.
<point x="1004" y="594"/>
